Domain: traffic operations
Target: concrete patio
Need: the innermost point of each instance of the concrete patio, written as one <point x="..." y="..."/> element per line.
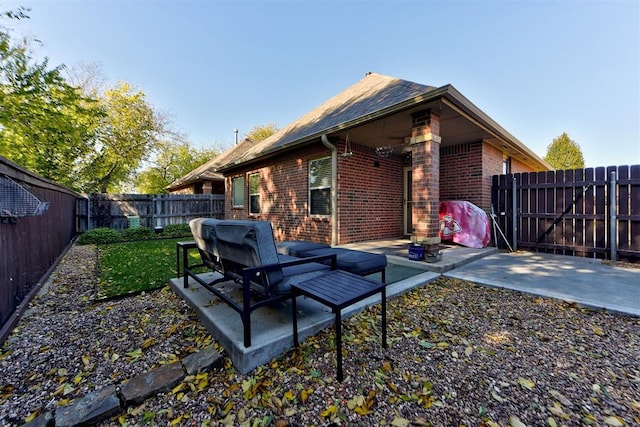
<point x="272" y="329"/>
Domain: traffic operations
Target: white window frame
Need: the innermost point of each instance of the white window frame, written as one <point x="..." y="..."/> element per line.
<point x="237" y="183"/>
<point x="254" y="194"/>
<point x="506" y="165"/>
<point x="324" y="185"/>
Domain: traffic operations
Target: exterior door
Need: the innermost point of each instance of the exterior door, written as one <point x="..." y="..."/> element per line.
<point x="407" y="198"/>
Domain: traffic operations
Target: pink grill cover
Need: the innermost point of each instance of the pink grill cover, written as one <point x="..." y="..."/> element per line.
<point x="464" y="223"/>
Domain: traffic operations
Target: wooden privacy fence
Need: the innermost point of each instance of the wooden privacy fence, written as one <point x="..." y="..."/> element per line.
<point x="118" y="211"/>
<point x="592" y="212"/>
<point x="31" y="240"/>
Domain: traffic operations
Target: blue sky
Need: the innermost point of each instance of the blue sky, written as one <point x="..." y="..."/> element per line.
<point x="538" y="68"/>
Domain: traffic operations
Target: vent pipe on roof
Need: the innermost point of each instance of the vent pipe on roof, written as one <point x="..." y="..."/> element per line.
<point x="334" y="188"/>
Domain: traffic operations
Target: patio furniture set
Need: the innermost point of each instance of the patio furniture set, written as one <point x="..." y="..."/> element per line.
<point x="245" y="252"/>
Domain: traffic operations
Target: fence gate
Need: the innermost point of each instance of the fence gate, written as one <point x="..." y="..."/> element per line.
<point x="592" y="212"/>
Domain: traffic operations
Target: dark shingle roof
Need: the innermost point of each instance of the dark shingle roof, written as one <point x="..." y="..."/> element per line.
<point x="375" y="92"/>
<point x="208" y="170"/>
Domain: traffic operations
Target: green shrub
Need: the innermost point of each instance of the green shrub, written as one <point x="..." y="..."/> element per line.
<point x="176" y="230"/>
<point x="99" y="235"/>
<point x="140" y="233"/>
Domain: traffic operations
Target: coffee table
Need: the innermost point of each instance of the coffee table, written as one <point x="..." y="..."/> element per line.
<point x="337" y="290"/>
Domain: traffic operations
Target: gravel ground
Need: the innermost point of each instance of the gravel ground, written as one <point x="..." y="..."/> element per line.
<point x="459" y="354"/>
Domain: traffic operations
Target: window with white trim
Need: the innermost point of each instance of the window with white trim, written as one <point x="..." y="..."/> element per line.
<point x="506" y="165"/>
<point x="254" y="194"/>
<point x="237" y="191"/>
<point x="320" y="187"/>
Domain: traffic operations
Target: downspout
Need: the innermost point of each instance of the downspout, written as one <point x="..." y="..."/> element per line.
<point x="334" y="188"/>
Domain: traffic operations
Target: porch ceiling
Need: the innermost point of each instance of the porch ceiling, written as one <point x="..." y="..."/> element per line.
<point x="456" y="127"/>
<point x="395" y="129"/>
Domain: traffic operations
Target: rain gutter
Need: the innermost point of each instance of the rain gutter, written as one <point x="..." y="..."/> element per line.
<point x="334" y="188"/>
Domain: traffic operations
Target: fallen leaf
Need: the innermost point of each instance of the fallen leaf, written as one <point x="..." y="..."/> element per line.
<point x="497" y="397"/>
<point x="304" y="395"/>
<point x="331" y="409"/>
<point x="400" y="422"/>
<point x="557" y="410"/>
<point x="561" y="398"/>
<point x="526" y="383"/>
<point x="515" y="422"/>
<point x="614" y="421"/>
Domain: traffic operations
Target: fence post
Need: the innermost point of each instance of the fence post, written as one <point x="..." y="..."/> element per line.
<point x="89" y="212"/>
<point x="613" y="222"/>
<point x="514" y="214"/>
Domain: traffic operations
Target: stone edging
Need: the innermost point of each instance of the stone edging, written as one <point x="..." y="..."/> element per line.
<point x="114" y="399"/>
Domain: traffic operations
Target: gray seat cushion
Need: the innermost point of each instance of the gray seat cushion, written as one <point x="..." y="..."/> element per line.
<point x="356" y="262"/>
<point x="298" y="247"/>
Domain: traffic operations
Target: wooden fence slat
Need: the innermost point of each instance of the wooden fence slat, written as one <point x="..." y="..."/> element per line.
<point x="601" y="210"/>
<point x="579" y="221"/>
<point x="568" y="194"/>
<point x="623" y="209"/>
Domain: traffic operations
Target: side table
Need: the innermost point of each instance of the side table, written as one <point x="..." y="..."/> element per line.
<point x="337" y="290"/>
<point x="184" y="246"/>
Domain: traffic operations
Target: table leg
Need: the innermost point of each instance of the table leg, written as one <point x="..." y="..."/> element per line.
<point x="294" y="314"/>
<point x="178" y="259"/>
<point x="339" y="344"/>
<point x="384" y="317"/>
<point x="185" y="264"/>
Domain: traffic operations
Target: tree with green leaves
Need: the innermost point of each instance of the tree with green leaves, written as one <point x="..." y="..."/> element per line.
<point x="46" y="125"/>
<point x="172" y="160"/>
<point x="130" y="130"/>
<point x="261" y="132"/>
<point x="564" y="153"/>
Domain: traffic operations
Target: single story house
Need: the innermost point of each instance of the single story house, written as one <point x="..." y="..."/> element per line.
<point x="373" y="162"/>
<point x="201" y="180"/>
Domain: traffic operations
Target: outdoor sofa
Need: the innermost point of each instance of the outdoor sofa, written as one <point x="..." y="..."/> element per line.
<point x="245" y="252"/>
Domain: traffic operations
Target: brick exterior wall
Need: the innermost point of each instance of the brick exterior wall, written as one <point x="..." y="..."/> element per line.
<point x="369" y="196"/>
<point x="461" y="172"/>
<point x="466" y="170"/>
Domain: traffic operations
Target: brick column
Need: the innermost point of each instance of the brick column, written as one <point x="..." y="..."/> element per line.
<point x="206" y="187"/>
<point x="425" y="157"/>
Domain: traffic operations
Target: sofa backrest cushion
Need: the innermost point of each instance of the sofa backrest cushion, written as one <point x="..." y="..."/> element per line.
<point x="201" y="230"/>
<point x="244" y="243"/>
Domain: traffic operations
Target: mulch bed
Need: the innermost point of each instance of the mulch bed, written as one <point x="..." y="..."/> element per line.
<point x="459" y="354"/>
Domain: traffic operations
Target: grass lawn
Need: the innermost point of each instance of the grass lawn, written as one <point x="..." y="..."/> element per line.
<point x="137" y="266"/>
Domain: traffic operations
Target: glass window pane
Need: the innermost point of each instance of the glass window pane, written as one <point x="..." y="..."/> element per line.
<point x="254" y="183"/>
<point x="320" y="173"/>
<point x="238" y="191"/>
<point x="254" y="204"/>
<point x="321" y="202"/>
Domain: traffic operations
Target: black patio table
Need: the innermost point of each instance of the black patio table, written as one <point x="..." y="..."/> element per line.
<point x="337" y="290"/>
